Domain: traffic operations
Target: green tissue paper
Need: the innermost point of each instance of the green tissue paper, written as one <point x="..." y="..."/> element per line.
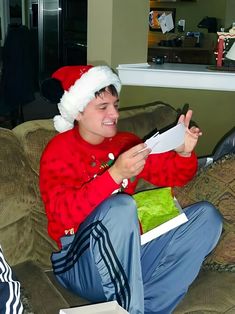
<point x="155" y="207"/>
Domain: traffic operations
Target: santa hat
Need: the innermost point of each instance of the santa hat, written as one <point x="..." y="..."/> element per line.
<point x="80" y="83"/>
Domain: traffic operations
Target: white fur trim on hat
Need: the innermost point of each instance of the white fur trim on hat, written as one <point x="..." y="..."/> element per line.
<point x="81" y="93"/>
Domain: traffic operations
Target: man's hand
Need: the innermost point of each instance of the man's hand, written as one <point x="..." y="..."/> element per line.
<point x="191" y="135"/>
<point x="129" y="163"/>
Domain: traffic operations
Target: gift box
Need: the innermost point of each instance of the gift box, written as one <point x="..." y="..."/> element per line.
<point x="111" y="307"/>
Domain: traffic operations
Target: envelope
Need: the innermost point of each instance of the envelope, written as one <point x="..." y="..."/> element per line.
<point x="168" y="140"/>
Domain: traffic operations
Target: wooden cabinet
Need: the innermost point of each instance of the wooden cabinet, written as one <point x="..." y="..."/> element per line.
<point x="181" y="55"/>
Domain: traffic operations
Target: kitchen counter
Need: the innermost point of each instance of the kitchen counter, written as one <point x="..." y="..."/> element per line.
<point x="174" y="75"/>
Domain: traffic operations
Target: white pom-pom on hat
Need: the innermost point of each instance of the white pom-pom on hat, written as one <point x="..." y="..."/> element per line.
<point x="80" y="84"/>
<point x="62" y="125"/>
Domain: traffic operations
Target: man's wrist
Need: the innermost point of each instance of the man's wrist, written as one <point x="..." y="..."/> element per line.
<point x="114" y="174"/>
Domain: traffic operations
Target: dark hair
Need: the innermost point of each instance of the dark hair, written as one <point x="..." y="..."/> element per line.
<point x="111" y="89"/>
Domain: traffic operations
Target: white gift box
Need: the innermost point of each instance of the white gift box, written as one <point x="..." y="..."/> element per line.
<point x="101" y="308"/>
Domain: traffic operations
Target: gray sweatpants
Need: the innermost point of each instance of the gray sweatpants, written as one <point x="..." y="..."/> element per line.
<point x="104" y="260"/>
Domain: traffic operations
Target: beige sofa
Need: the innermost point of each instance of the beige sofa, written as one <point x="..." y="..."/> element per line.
<point x="23" y="224"/>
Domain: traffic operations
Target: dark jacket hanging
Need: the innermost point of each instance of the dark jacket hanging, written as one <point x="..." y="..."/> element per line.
<point x="18" y="77"/>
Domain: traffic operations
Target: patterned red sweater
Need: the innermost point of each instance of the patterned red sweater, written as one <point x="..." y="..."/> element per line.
<point x="74" y="179"/>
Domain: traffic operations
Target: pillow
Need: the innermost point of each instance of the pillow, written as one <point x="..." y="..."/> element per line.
<point x="216" y="184"/>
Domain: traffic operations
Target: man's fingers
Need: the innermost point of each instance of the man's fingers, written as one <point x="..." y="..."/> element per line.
<point x="181" y="118"/>
<point x="138" y="149"/>
<point x="188" y="118"/>
<point x="195" y="130"/>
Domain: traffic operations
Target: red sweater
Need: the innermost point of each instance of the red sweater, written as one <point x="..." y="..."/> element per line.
<point x="74" y="179"/>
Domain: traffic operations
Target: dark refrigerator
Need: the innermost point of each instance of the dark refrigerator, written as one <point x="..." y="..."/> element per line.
<point x="60" y="33"/>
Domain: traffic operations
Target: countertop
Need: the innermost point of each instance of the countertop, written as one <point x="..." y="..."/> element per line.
<point x="176" y="75"/>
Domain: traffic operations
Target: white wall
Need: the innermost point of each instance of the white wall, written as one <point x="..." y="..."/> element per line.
<point x="117" y="31"/>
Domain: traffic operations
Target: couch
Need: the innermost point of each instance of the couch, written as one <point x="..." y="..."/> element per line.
<point x="23" y="223"/>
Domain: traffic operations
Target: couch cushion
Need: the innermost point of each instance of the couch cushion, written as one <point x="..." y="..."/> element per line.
<point x="23" y="223"/>
<point x="44" y="293"/>
<point x="212" y="292"/>
<point x="34" y="136"/>
<point x="216" y="184"/>
<point x="17" y="199"/>
<point x="143" y="120"/>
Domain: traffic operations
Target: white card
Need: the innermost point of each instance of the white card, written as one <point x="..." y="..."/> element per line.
<point x="166" y="22"/>
<point x="111" y="307"/>
<point x="168" y="140"/>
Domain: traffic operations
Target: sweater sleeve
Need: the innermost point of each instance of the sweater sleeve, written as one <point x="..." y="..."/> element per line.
<point x="67" y="197"/>
<point x="169" y="169"/>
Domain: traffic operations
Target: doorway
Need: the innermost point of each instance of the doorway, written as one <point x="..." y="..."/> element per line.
<point x="61" y="30"/>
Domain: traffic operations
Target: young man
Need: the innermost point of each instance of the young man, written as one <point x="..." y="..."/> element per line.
<point x="87" y="176"/>
<point x="9" y="289"/>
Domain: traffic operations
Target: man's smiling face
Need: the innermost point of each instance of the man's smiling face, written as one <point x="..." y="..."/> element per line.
<point x="99" y="118"/>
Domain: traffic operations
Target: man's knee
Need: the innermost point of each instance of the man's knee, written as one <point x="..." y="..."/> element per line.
<point x="212" y="214"/>
<point x="119" y="218"/>
<point x="211" y="222"/>
<point x="119" y="214"/>
<point x="123" y="207"/>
